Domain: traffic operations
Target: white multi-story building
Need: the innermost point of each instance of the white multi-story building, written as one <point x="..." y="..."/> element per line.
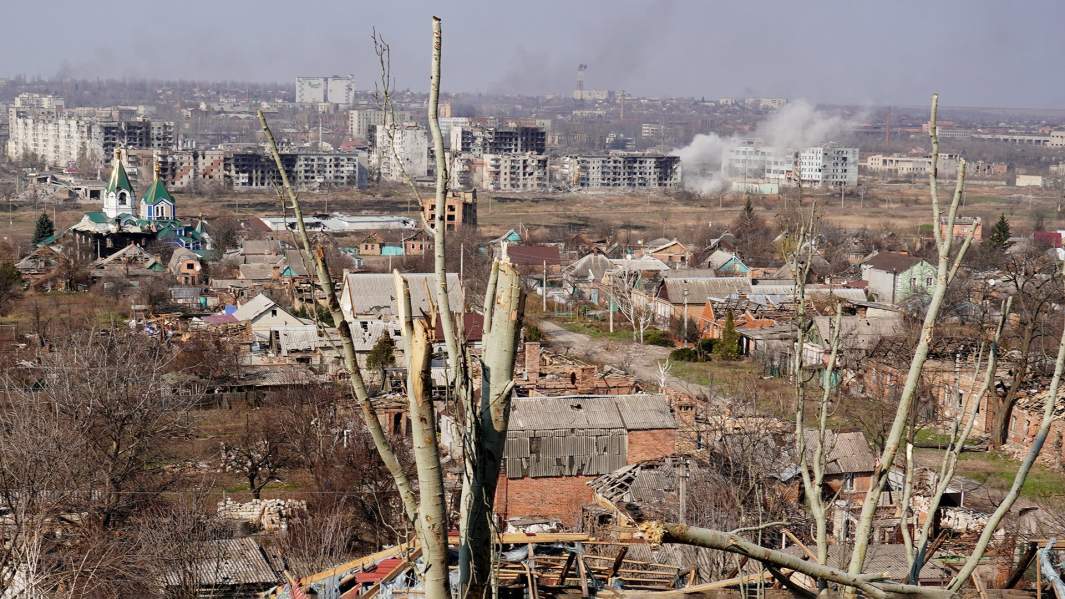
<point x="42" y="127"/>
<point x="361" y="122"/>
<point x="336" y="89"/>
<point x="405" y="154"/>
<point x="621" y="170"/>
<point x="514" y="172"/>
<point x="829" y="165"/>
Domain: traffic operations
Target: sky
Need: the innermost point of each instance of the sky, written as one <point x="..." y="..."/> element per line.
<point x="975" y="52"/>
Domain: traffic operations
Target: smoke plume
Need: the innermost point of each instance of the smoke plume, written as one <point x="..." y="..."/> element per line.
<point x="795" y="126"/>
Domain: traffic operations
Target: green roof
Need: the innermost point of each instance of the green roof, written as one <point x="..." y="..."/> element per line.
<point x="97" y="217"/>
<point x="156" y="193"/>
<point x="119" y="179"/>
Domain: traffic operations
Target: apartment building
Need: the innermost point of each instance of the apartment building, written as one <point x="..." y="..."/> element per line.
<point x="361" y="122"/>
<point x="621" y="170"/>
<point x="405" y="155"/>
<point x="336" y="89"/>
<point x="43" y="127"/>
<point x="514" y="172"/>
<point x="829" y="165"/>
<point x="479" y="141"/>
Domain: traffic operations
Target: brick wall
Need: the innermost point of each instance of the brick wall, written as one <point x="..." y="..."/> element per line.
<point x="553" y="497"/>
<point x="650" y="445"/>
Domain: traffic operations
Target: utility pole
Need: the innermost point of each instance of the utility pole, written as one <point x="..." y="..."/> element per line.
<point x="610" y="311"/>
<point x="462" y="256"/>
<point x="684" y="331"/>
<point x="545" y="286"/>
<point x="682" y="491"/>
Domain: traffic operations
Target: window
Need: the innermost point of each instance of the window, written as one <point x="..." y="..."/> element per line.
<point x="848" y="483"/>
<point x="928" y="281"/>
<point x="273" y="312"/>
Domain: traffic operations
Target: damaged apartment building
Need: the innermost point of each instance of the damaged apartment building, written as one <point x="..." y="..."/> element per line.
<point x="42" y="126"/>
<point x="619" y="170"/>
<point x="248" y="167"/>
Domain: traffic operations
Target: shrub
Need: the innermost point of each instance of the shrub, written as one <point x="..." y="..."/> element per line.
<point x="685" y="354"/>
<point x="533" y="333"/>
<point x="657" y="337"/>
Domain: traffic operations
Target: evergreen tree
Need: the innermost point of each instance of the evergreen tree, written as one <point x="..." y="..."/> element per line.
<point x="727" y="346"/>
<point x="1000" y="235"/>
<point x="382" y="355"/>
<point x="45" y="228"/>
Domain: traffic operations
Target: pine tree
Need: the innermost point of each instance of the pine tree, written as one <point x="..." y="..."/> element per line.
<point x="728" y="345"/>
<point x="45" y="228"/>
<point x="1000" y="234"/>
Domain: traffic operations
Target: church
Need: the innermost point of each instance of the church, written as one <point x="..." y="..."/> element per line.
<point x="126" y="220"/>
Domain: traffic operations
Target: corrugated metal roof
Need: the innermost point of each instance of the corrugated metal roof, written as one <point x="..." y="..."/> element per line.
<point x="375" y="293"/>
<point x="226" y="562"/>
<point x="702" y="289"/>
<point x="645" y="412"/>
<point x="847" y="452"/>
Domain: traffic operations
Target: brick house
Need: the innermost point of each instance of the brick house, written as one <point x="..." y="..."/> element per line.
<point x="557" y="445"/>
<point x="672" y="252"/>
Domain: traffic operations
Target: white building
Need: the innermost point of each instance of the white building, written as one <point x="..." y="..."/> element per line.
<point x="404" y="154"/>
<point x="336" y="89"/>
<point x="903" y="165"/>
<point x="361" y="122"/>
<point x="829" y="165"/>
<point x="514" y="172"/>
<point x="42" y="127"/>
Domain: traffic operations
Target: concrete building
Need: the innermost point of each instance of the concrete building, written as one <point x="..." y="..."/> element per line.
<point x="42" y="127"/>
<point x="479" y="141"/>
<point x="406" y="155"/>
<point x="514" y="172"/>
<point x="336" y="89"/>
<point x="829" y="165"/>
<point x="621" y="170"/>
<point x="361" y="122"/>
<point x="307" y="169"/>
<point x="460" y="206"/>
<point x="903" y="165"/>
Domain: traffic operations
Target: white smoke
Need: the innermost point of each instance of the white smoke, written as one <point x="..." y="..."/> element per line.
<point x="795" y="126"/>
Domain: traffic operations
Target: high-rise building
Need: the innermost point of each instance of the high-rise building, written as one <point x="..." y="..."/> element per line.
<point x="401" y="152"/>
<point x="42" y="127"/>
<point x="336" y="89"/>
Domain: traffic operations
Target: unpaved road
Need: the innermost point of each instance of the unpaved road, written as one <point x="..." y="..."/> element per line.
<point x="639" y="360"/>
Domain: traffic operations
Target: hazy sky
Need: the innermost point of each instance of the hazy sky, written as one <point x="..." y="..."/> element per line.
<point x="975" y="52"/>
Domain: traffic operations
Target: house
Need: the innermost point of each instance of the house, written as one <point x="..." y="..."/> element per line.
<point x="672" y="252"/>
<point x="859" y="337"/>
<point x="726" y="264"/>
<point x="893" y="276"/>
<point x="581" y="278"/>
<point x="129" y="262"/>
<point x="373" y="295"/>
<point x="681" y="293"/>
<point x="267" y="317"/>
<point x="186" y="267"/>
<point x="557" y="445"/>
<point x="533" y="259"/>
<point x="41" y="267"/>
<point x="963" y="225"/>
<point x="710" y="324"/>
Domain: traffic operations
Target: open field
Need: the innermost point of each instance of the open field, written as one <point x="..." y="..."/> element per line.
<point x="631" y="216"/>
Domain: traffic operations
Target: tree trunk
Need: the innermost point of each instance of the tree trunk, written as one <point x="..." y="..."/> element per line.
<point x="432" y="506"/>
<point x="1000" y="429"/>
<point x="504" y="316"/>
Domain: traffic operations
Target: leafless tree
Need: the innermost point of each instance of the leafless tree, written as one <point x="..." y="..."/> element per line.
<point x="630" y="301"/>
<point x="260" y="454"/>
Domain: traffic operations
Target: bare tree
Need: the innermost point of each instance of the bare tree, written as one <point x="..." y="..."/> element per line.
<point x="260" y="454"/>
<point x="631" y="302"/>
<point x="853" y="578"/>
